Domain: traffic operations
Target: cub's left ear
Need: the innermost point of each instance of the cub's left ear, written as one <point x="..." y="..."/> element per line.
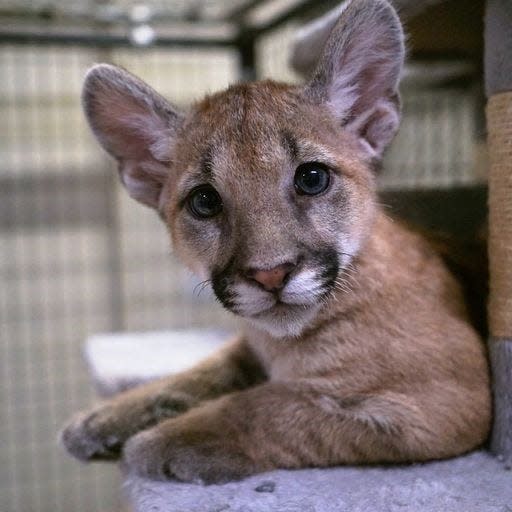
<point x="359" y="71"/>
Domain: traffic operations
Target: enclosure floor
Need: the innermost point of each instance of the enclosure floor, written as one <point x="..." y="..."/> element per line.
<point x="474" y="483"/>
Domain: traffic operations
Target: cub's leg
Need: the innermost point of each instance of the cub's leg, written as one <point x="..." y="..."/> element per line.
<point x="292" y="425"/>
<point x="101" y="432"/>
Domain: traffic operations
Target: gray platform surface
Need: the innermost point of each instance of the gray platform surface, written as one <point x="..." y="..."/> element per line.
<point x="118" y="361"/>
<point x="474" y="483"/>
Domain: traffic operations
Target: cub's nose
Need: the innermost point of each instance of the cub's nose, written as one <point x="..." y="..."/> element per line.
<point x="272" y="279"/>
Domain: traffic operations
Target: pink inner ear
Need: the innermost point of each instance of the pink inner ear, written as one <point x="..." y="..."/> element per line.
<point x="143" y="186"/>
<point x="127" y="129"/>
<point x="365" y="75"/>
<point x="359" y="72"/>
<point x="135" y="125"/>
<point x="379" y="128"/>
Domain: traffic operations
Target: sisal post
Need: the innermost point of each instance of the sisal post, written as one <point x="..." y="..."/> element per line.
<point x="499" y="123"/>
<point x="498" y="79"/>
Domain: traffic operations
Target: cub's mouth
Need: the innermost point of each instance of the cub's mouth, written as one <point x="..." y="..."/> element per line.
<point x="286" y="309"/>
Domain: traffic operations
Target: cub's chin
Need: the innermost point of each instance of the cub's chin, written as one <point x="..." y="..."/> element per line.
<point x="284" y="320"/>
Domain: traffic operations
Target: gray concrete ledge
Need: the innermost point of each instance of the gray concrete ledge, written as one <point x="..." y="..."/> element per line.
<point x="474" y="483"/>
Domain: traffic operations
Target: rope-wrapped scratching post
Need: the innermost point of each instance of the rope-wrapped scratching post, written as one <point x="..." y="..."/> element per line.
<point x="499" y="125"/>
<point x="499" y="128"/>
<point x="498" y="84"/>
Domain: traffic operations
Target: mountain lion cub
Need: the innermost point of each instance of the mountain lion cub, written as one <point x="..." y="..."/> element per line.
<point x="357" y="346"/>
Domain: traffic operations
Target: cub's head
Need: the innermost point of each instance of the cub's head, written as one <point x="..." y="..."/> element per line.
<point x="267" y="189"/>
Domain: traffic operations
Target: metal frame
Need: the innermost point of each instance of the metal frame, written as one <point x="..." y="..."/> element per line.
<point x="243" y="41"/>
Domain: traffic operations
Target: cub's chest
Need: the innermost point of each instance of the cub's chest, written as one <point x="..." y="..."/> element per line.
<point x="288" y="359"/>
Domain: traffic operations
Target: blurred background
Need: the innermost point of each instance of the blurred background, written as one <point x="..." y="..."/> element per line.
<point x="77" y="257"/>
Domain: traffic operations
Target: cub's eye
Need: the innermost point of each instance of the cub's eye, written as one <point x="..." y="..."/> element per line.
<point x="311" y="178"/>
<point x="204" y="202"/>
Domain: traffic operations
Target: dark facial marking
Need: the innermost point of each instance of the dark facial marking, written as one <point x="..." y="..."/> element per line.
<point x="206" y="163"/>
<point x="290" y="144"/>
<point x="221" y="281"/>
<point x="327" y="260"/>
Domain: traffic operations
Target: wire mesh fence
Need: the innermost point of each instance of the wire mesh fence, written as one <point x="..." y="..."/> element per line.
<point x="78" y="257"/>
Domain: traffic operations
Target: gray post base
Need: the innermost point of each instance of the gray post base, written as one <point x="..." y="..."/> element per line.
<point x="473" y="483"/>
<point x="500" y="353"/>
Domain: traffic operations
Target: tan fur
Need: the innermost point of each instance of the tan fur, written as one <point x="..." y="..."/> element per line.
<point x="387" y="366"/>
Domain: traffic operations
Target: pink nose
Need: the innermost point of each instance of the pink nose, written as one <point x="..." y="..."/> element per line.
<point x="272" y="279"/>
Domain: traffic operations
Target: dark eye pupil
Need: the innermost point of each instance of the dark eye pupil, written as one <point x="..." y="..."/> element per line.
<point x="311" y="178"/>
<point x="205" y="202"/>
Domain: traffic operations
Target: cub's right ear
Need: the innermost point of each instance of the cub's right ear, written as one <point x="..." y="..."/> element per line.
<point x="135" y="125"/>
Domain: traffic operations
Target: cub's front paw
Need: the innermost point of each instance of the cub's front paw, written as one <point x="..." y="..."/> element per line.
<point x="94" y="434"/>
<point x="101" y="433"/>
<point x="197" y="457"/>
